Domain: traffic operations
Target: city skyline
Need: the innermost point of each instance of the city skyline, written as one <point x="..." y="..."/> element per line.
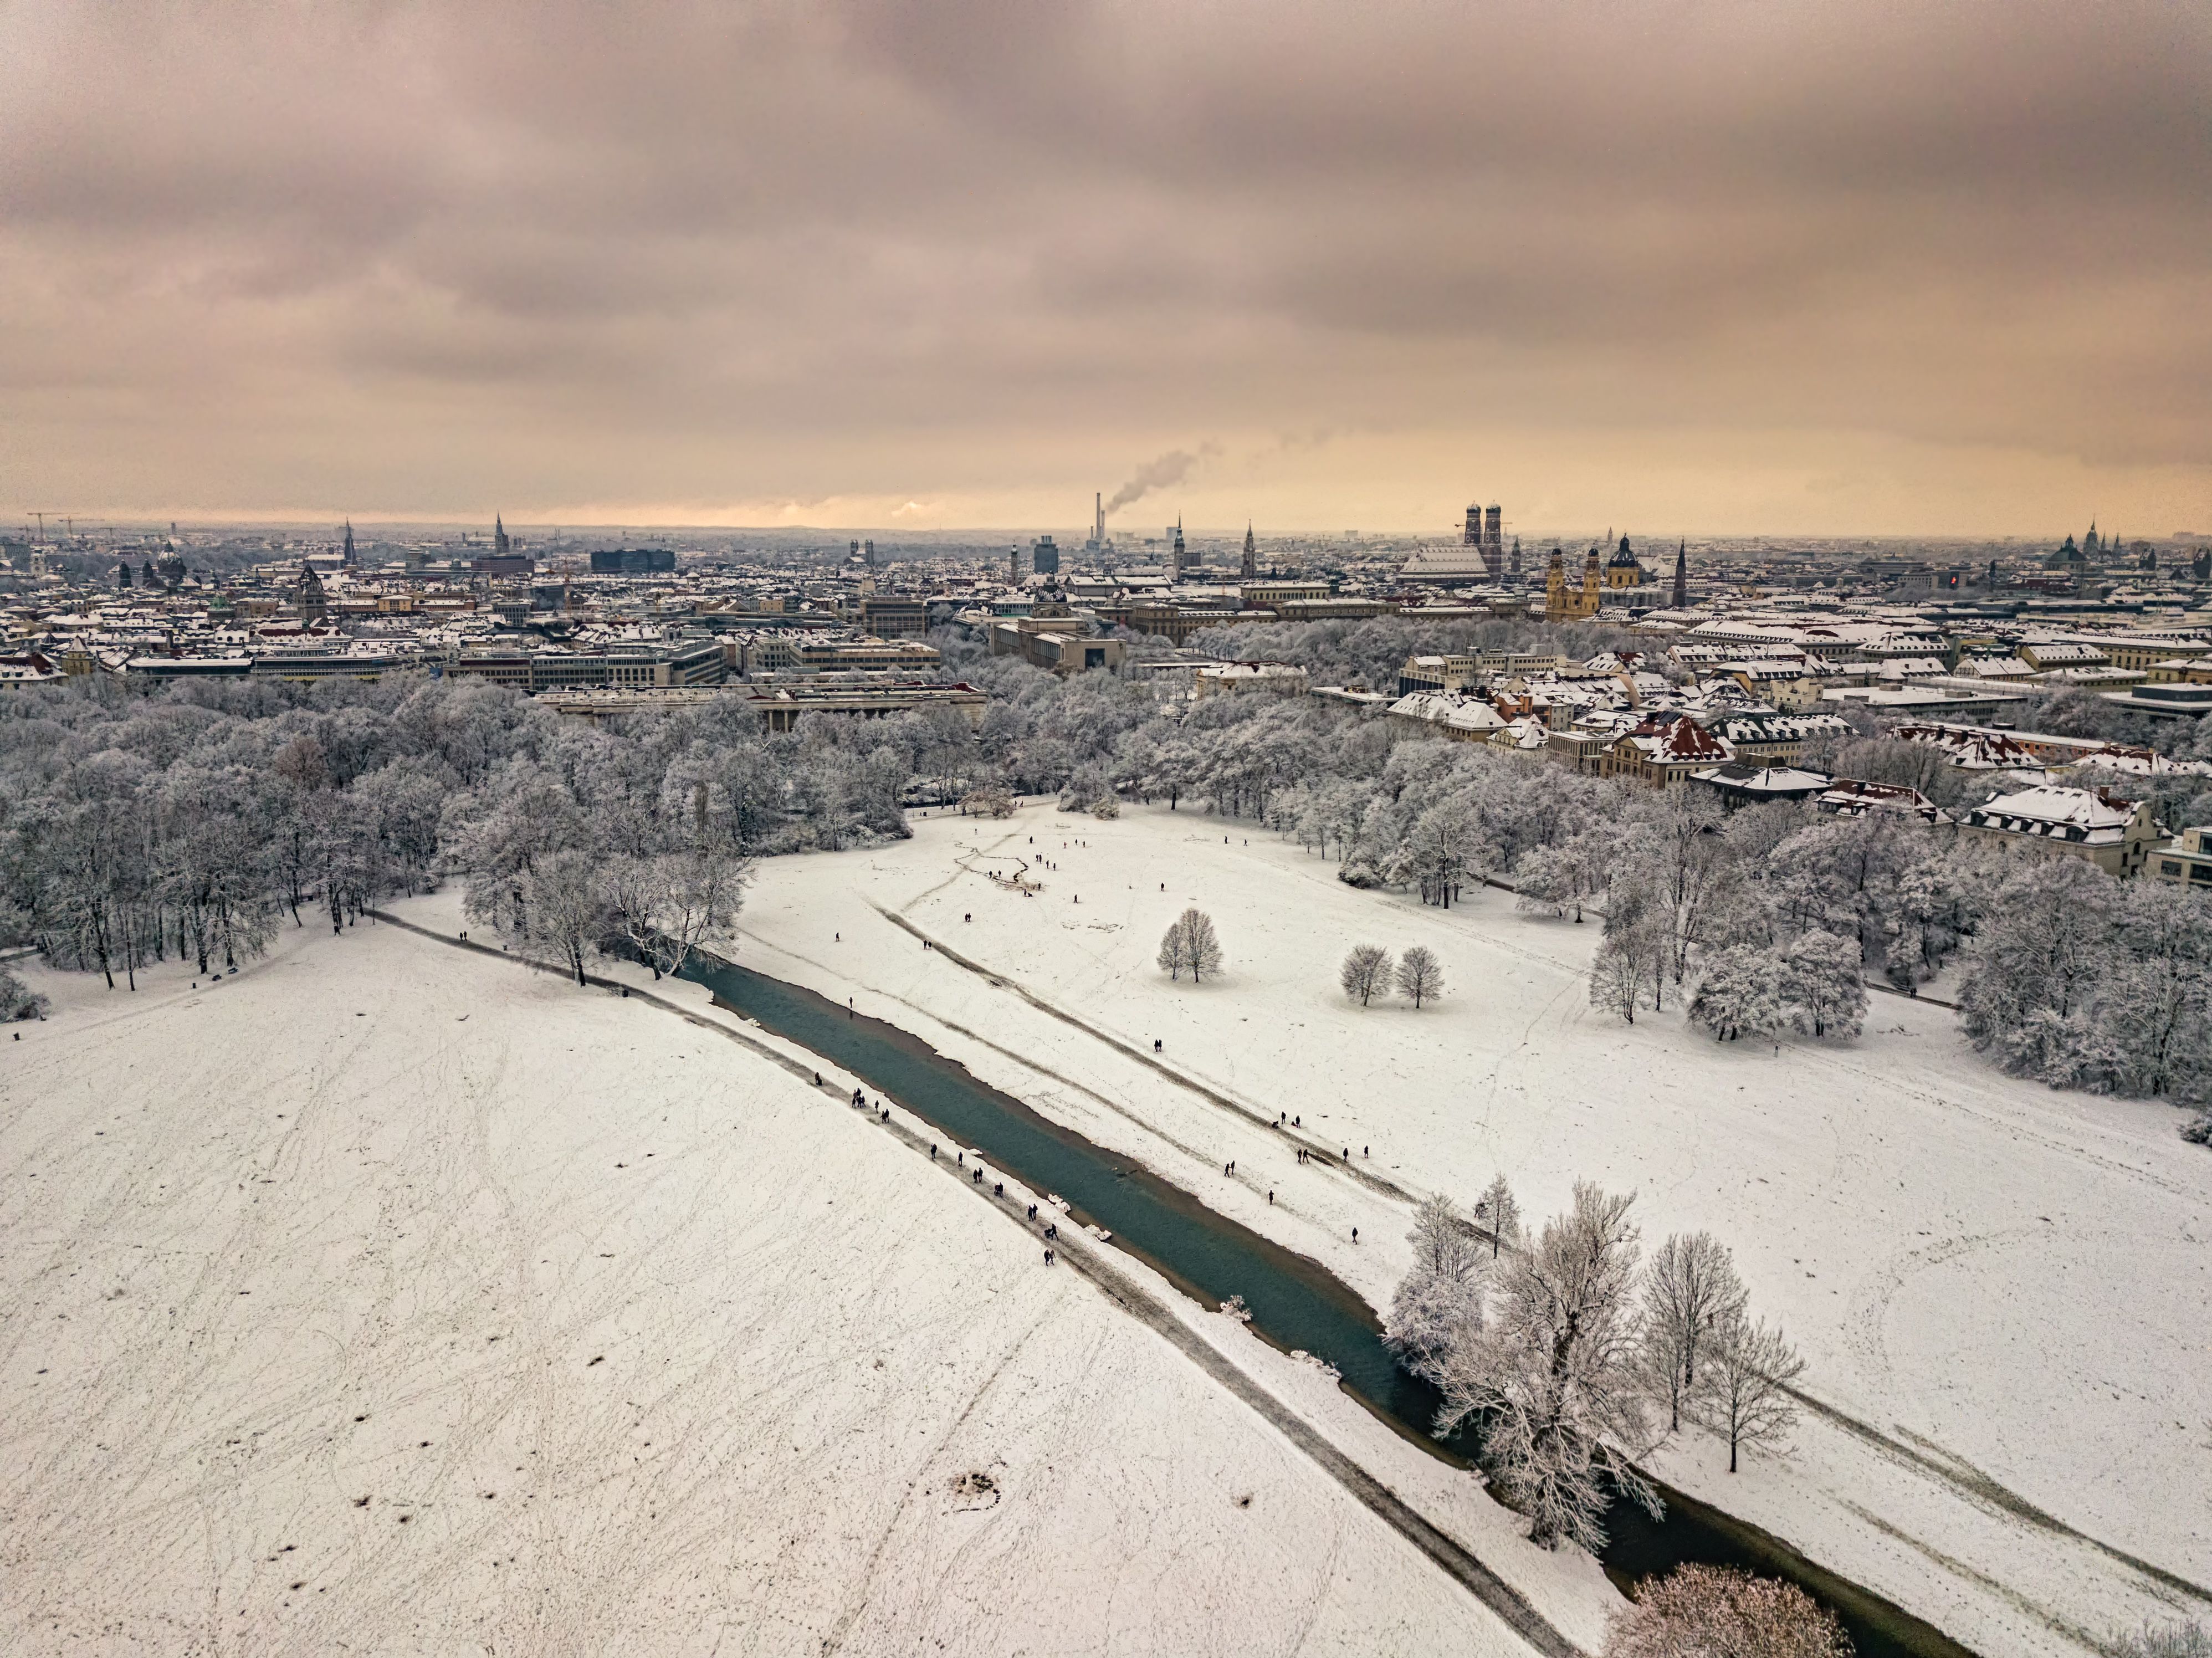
<point x="1907" y="272"/>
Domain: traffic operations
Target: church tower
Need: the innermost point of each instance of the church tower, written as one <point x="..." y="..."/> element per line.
<point x="1593" y="587"/>
<point x="500" y="545"/>
<point x="1555" y="588"/>
<point x="1682" y="576"/>
<point x="1182" y="557"/>
<point x="1251" y="553"/>
<point x="348" y="559"/>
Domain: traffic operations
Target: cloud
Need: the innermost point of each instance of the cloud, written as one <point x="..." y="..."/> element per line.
<point x="862" y="251"/>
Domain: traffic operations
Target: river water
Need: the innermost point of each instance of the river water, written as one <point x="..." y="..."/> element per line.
<point x="1294" y="1302"/>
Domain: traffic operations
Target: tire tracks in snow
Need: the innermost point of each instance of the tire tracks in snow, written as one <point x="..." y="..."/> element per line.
<point x="1451" y="1556"/>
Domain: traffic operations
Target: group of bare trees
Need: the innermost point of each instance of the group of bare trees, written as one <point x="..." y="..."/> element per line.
<point x="1367" y="973"/>
<point x="1560" y="1350"/>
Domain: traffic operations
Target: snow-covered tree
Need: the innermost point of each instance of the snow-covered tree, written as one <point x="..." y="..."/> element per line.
<point x="1689" y="1289"/>
<point x="1365" y="971"/>
<point x="1822" y="985"/>
<point x="1748" y="1401"/>
<point x="1439" y="1304"/>
<point x="1190" y="945"/>
<point x="1499" y="1215"/>
<point x="1717" y="1612"/>
<point x="1623" y="972"/>
<point x="1739" y="994"/>
<point x="1556" y="1377"/>
<point x="1420" y="976"/>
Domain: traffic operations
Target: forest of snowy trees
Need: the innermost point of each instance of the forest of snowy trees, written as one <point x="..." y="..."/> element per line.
<point x="189" y="821"/>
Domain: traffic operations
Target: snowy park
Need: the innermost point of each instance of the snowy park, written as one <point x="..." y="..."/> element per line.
<point x="2003" y="1291"/>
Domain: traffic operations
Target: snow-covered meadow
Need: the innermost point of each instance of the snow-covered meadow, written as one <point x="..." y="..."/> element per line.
<point x="2008" y="1289"/>
<point x="389" y="1298"/>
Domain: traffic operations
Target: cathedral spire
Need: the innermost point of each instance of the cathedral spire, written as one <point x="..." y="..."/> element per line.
<point x="1682" y="574"/>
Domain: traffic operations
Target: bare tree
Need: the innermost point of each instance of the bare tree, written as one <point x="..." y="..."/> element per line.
<point x="2174" y="1640"/>
<point x="566" y="908"/>
<point x="1701" y="1610"/>
<point x="1621" y="973"/>
<point x="1497" y="1210"/>
<point x="1749" y="1399"/>
<point x="1365" y="971"/>
<point x="1420" y="976"/>
<point x="1691" y="1288"/>
<point x="1190" y="942"/>
<point x="1555" y="1378"/>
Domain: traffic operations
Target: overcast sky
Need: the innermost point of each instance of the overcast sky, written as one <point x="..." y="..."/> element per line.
<point x="1866" y="268"/>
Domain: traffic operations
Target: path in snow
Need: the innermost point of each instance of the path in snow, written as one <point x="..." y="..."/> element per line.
<point x="383" y="1295"/>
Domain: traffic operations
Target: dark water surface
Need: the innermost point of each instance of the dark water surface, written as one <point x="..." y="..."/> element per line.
<point x="1294" y="1302"/>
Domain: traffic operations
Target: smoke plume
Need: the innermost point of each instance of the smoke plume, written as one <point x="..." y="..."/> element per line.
<point x="1170" y="468"/>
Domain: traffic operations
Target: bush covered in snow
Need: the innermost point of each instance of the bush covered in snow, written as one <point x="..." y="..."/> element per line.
<point x="1702" y="1611"/>
<point x="18" y="1000"/>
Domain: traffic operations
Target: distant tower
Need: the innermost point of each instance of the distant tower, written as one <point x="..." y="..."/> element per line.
<point x="1592" y="590"/>
<point x="314" y="605"/>
<point x="1555" y="587"/>
<point x="1181" y="556"/>
<point x="1251" y="553"/>
<point x="123" y="574"/>
<point x="1682" y="576"/>
<point x="500" y="546"/>
<point x="1516" y="567"/>
<point x="1014" y="561"/>
<point x="1098" y="522"/>
<point x="348" y="560"/>
<point x="868" y="554"/>
<point x="1474" y="535"/>
<point x="1493" y="541"/>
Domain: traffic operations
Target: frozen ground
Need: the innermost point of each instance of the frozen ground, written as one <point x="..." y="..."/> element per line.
<point x="389" y="1298"/>
<point x="2008" y="1289"/>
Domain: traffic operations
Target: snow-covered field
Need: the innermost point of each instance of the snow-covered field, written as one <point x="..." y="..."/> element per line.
<point x="390" y="1298"/>
<point x="2009" y="1288"/>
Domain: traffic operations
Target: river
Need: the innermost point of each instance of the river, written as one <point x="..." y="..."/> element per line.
<point x="1294" y="1302"/>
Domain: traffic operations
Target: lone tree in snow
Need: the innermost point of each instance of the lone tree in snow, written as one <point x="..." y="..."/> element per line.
<point x="1691" y="1287"/>
<point x="1556" y="1377"/>
<point x="1365" y="972"/>
<point x="1189" y="944"/>
<point x="1438" y="1304"/>
<point x="1752" y="1370"/>
<point x="1702" y="1609"/>
<point x="1420" y="976"/>
<point x="1497" y="1210"/>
